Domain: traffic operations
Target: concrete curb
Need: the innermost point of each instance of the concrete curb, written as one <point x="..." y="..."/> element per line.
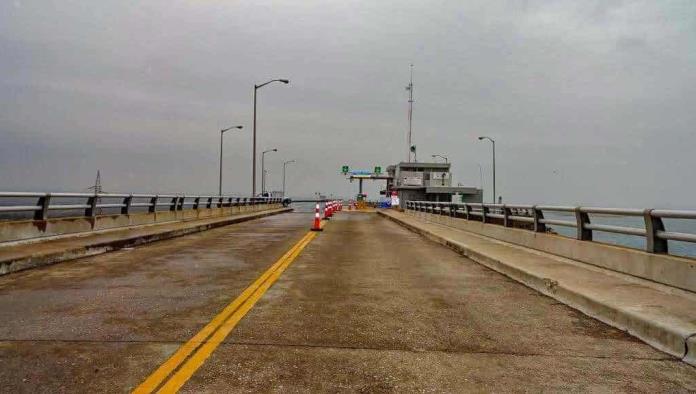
<point x="669" y="337"/>
<point x="690" y="356"/>
<point x="98" y="247"/>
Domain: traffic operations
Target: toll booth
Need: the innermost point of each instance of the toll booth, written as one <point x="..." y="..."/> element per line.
<point x="415" y="181"/>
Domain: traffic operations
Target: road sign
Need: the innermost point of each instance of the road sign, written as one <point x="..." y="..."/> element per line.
<point x="378" y="170"/>
<point x="345" y="169"/>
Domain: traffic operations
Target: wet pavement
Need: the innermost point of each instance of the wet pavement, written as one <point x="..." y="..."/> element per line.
<point x="367" y="306"/>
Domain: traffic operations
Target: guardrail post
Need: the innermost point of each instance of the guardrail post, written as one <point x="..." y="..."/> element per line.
<point x="44" y="202"/>
<point x="219" y="202"/>
<point x="453" y="210"/>
<point x="538" y="214"/>
<point x="507" y="222"/>
<point x="181" y="202"/>
<point x="653" y="244"/>
<point x="153" y="204"/>
<point x="582" y="219"/>
<point x="125" y="210"/>
<point x="196" y="202"/>
<point x="467" y="211"/>
<point x="92" y="210"/>
<point x="484" y="212"/>
<point x="173" y="203"/>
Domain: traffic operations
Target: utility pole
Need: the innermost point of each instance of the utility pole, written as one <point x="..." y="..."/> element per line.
<point x="410" y="115"/>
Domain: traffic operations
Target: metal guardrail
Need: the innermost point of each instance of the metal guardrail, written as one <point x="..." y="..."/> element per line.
<point x="654" y="229"/>
<point x="47" y="202"/>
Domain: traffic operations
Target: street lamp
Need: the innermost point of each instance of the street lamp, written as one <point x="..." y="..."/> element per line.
<point x="480" y="176"/>
<point x="493" y="144"/>
<point x="221" y="133"/>
<point x="253" y="156"/>
<point x="263" y="169"/>
<point x="441" y="156"/>
<point x="285" y="165"/>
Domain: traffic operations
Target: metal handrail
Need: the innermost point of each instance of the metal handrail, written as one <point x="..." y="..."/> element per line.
<point x="91" y="202"/>
<point x="653" y="229"/>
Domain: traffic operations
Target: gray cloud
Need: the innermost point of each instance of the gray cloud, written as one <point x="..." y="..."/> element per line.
<point x="590" y="102"/>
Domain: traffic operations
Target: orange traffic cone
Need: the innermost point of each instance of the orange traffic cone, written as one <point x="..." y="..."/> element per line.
<point x="327" y="211"/>
<point x="317" y="220"/>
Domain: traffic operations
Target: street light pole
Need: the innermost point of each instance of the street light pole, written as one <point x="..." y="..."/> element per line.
<point x="263" y="169"/>
<point x="493" y="144"/>
<point x="253" y="155"/>
<point x="221" y="133"/>
<point x="480" y="176"/>
<point x="441" y="156"/>
<point x="285" y="165"/>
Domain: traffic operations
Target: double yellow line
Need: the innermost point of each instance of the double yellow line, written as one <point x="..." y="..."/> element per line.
<point x="179" y="368"/>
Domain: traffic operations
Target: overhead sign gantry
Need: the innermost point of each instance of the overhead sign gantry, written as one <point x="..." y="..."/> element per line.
<point x="360" y="175"/>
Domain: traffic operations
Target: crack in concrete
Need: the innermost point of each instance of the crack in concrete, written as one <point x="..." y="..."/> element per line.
<point x="345" y="347"/>
<point x="491" y="352"/>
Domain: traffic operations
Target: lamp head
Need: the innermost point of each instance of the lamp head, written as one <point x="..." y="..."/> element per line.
<point x="480" y="138"/>
<point x="284" y="80"/>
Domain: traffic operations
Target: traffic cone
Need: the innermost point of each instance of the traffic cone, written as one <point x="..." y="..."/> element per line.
<point x="317" y="220"/>
<point x="327" y="212"/>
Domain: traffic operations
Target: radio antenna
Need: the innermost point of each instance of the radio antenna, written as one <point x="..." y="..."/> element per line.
<point x="410" y="115"/>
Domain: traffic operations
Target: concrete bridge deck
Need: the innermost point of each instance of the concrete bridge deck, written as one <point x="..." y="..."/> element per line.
<point x="365" y="306"/>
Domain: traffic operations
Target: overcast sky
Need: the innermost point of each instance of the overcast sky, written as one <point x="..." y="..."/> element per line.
<point x="591" y="102"/>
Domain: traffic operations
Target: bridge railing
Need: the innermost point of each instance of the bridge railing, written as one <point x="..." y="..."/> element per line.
<point x="653" y="229"/>
<point x="43" y="204"/>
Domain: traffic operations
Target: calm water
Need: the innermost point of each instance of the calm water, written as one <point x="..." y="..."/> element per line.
<point x="675" y="247"/>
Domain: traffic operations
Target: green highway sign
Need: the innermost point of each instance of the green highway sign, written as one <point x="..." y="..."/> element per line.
<point x="345" y="169"/>
<point x="378" y="170"/>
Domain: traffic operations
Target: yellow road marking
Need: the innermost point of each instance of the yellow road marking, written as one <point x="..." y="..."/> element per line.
<point x="255" y="291"/>
<point x="202" y="354"/>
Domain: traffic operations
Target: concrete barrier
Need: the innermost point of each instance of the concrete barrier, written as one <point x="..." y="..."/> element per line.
<point x="36" y="229"/>
<point x="20" y="256"/>
<point x="660" y="315"/>
<point x="669" y="270"/>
